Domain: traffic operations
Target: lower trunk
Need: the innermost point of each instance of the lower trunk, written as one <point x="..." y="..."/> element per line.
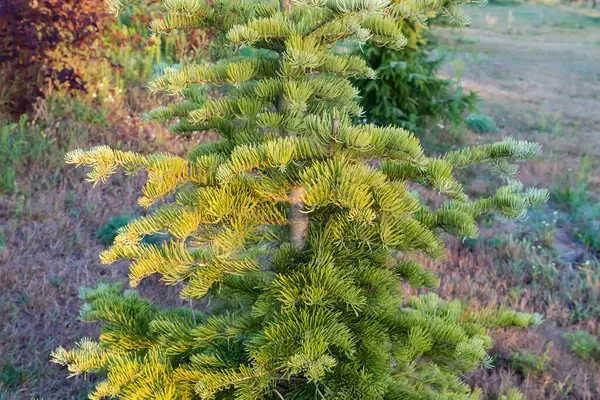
<point x="285" y="5"/>
<point x="298" y="219"/>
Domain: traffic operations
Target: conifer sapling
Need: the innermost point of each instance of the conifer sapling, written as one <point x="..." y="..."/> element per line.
<point x="295" y="229"/>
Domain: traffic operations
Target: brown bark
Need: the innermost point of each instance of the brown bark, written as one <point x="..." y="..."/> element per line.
<point x="285" y="5"/>
<point x="335" y="125"/>
<point x="298" y="219"/>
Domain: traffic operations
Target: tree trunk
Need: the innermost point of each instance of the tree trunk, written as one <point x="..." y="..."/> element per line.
<point x="285" y="5"/>
<point x="298" y="219"/>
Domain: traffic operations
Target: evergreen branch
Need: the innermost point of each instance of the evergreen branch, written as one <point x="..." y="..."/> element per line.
<point x="165" y="172"/>
<point x="435" y="172"/>
<point x="176" y="20"/>
<point x="175" y="79"/>
<point x="509" y="149"/>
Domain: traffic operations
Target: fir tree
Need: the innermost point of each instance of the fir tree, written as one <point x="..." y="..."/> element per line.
<point x="297" y="227"/>
<point x="407" y="91"/>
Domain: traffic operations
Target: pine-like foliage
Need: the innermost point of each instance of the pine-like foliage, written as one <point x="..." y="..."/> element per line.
<point x="296" y="228"/>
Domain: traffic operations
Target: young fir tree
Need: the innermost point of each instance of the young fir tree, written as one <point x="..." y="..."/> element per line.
<point x="296" y="227"/>
<point x="407" y="91"/>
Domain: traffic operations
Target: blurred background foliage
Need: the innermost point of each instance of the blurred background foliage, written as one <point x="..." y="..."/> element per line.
<point x="75" y="46"/>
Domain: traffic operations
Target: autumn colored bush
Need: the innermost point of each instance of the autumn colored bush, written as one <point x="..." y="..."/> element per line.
<point x="43" y="44"/>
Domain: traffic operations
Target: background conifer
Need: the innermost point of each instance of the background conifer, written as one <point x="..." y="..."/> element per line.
<point x="407" y="91"/>
<point x="297" y="226"/>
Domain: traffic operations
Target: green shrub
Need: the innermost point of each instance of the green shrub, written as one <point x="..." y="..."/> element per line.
<point x="44" y="44"/>
<point x="407" y="92"/>
<point x="530" y="363"/>
<point x="106" y="233"/>
<point x="481" y="123"/>
<point x="585" y="345"/>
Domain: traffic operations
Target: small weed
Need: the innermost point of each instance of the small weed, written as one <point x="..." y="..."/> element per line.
<point x="481" y="123"/>
<point x="57" y="282"/>
<point x="516" y="292"/>
<point x="584" y="345"/>
<point x="584" y="293"/>
<point x="530" y="363"/>
<point x="584" y="215"/>
<point x="24" y="142"/>
<point x="479" y="58"/>
<point x="11" y="376"/>
<point x="497" y="241"/>
<point x="13" y="146"/>
<point x="575" y="196"/>
<point x="463" y="40"/>
<point x="551" y="123"/>
<point x="564" y="388"/>
<point x="544" y="232"/>
<point x="2" y="241"/>
<point x="460" y="68"/>
<point x="589" y="236"/>
<point x="510" y="23"/>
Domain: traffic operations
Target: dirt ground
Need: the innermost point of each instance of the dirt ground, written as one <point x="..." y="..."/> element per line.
<point x="537" y="70"/>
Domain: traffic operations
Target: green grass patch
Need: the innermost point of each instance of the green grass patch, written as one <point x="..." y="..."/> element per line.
<point x="585" y="345"/>
<point x="2" y="240"/>
<point x="531" y="363"/>
<point x="19" y="143"/>
<point x="11" y="376"/>
<point x="575" y="196"/>
<point x="583" y="208"/>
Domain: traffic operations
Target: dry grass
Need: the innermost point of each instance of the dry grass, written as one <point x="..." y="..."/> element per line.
<point x="537" y="69"/>
<point x="539" y="78"/>
<point x="50" y="249"/>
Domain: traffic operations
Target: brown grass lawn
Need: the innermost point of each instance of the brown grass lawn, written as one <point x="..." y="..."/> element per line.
<point x="537" y="70"/>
